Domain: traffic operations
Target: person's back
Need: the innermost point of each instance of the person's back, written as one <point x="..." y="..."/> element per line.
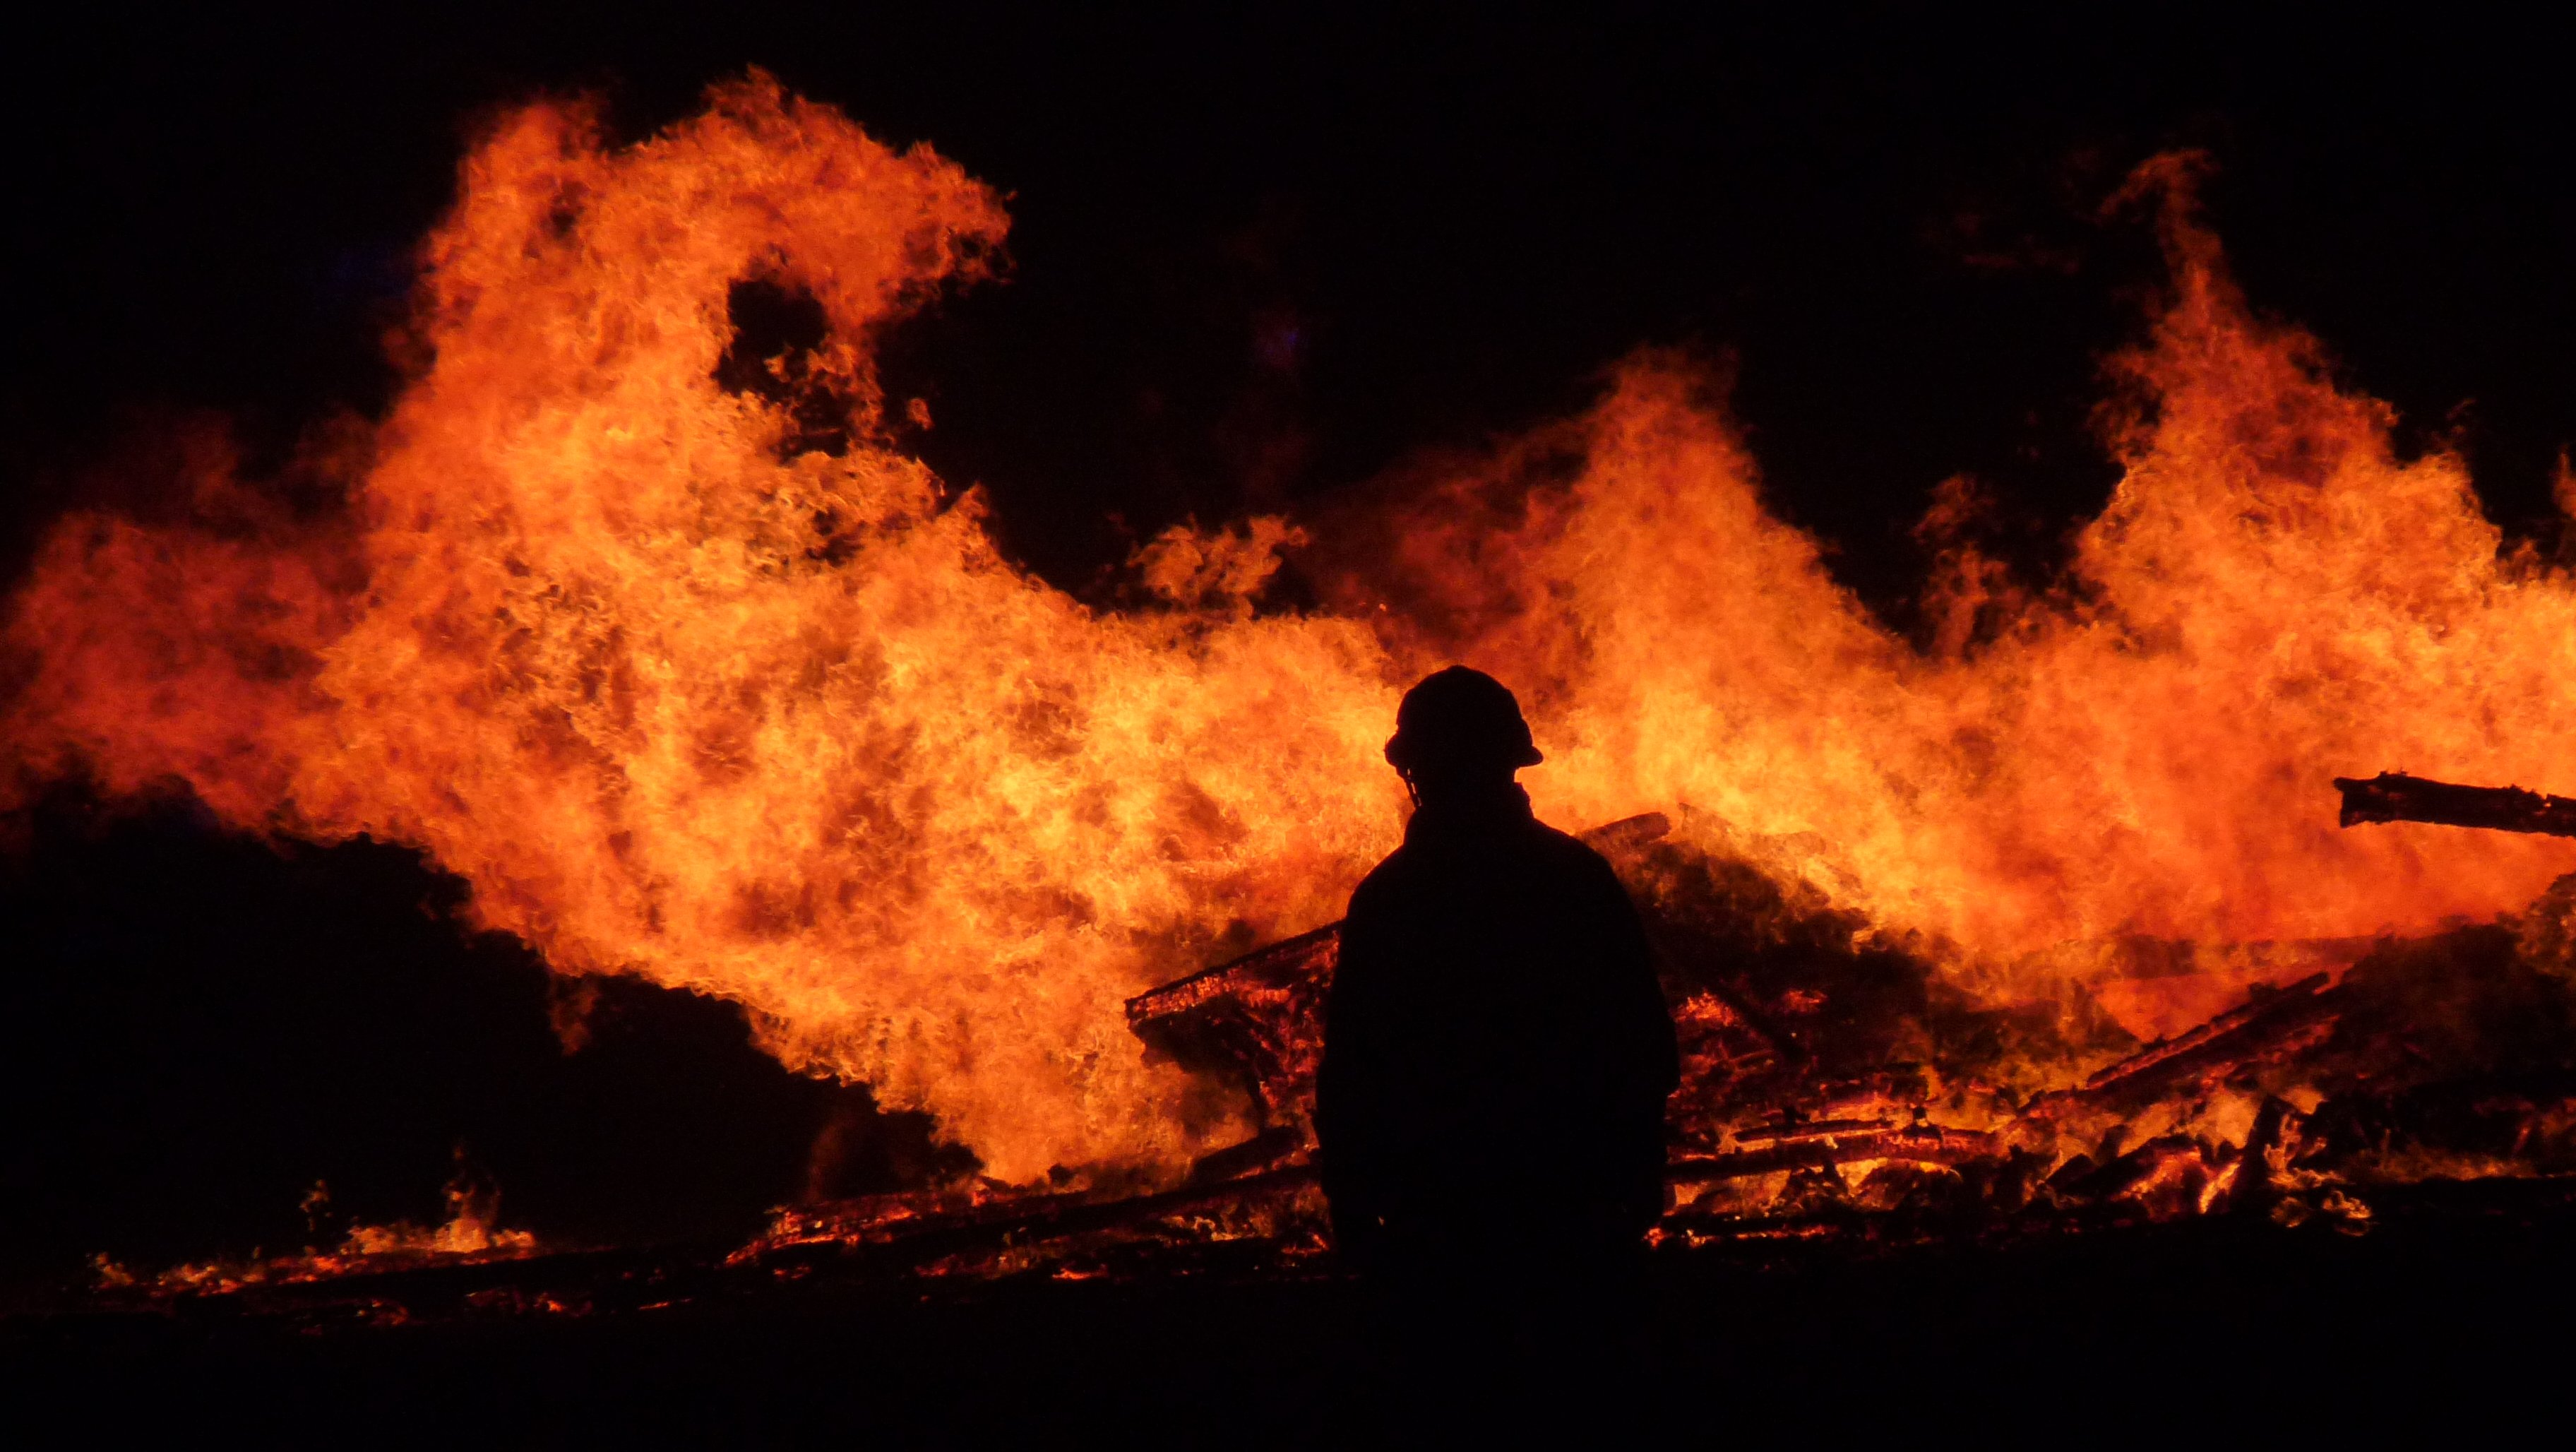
<point x="1496" y="1049"/>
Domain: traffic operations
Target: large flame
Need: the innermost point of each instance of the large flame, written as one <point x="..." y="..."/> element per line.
<point x="683" y="698"/>
<point x="2271" y="599"/>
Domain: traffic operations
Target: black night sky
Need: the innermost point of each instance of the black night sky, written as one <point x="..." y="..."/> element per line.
<point x="1259" y="259"/>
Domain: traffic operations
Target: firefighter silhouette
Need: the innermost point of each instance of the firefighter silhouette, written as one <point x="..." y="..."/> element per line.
<point x="1496" y="1049"/>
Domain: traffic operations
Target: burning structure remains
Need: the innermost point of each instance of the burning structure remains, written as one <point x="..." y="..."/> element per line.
<point x="1832" y="1088"/>
<point x="661" y="641"/>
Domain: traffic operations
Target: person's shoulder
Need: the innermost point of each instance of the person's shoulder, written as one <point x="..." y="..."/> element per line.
<point x="1570" y="849"/>
<point x="1572" y="860"/>
<point x="1384" y="880"/>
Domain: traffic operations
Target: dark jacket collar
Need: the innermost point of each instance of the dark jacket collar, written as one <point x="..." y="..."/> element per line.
<point x="1489" y="815"/>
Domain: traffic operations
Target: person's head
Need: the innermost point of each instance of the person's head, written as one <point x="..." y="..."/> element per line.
<point x="1459" y="732"/>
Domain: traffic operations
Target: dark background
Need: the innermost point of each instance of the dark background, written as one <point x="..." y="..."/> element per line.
<point x="1258" y="259"/>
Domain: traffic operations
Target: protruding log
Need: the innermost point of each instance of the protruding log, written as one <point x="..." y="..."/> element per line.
<point x="2393" y="796"/>
<point x="2263" y="1023"/>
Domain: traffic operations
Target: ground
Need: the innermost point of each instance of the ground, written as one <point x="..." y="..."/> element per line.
<point x="2185" y="1333"/>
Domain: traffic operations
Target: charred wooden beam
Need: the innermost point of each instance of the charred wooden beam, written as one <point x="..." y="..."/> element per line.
<point x="2393" y="796"/>
<point x="1919" y="1144"/>
<point x="2265" y="1008"/>
<point x="1022" y="1220"/>
<point x="2268" y="1018"/>
<point x="1268" y="1150"/>
<point x="2255" y="1191"/>
<point x="1790" y="1129"/>
<point x="1277" y="967"/>
<point x="2114" y="1172"/>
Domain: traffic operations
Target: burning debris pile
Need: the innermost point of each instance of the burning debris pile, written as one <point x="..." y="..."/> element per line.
<point x="1832" y="1084"/>
<point x="1835" y="1082"/>
<point x="2013" y="929"/>
<point x="1835" y="1090"/>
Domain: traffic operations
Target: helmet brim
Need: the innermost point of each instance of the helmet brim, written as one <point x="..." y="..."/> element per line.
<point x="1399" y="754"/>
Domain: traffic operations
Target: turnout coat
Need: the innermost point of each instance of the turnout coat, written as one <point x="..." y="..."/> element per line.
<point x="1496" y="1048"/>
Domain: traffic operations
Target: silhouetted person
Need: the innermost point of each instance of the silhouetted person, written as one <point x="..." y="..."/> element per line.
<point x="1496" y="1049"/>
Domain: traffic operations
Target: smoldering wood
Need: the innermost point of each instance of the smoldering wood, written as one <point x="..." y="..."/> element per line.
<point x="2255" y="1189"/>
<point x="1790" y="1129"/>
<point x="1916" y="1144"/>
<point x="2268" y="1021"/>
<point x="2086" y="1177"/>
<point x="994" y="1224"/>
<point x="2393" y="796"/>
<point x="1254" y="1022"/>
<point x="878" y="1239"/>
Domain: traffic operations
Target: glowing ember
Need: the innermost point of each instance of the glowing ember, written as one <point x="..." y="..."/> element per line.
<point x="469" y="1236"/>
<point x="683" y="695"/>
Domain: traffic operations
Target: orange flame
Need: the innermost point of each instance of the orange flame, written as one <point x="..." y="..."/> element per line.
<point x="2271" y="599"/>
<point x="683" y="701"/>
